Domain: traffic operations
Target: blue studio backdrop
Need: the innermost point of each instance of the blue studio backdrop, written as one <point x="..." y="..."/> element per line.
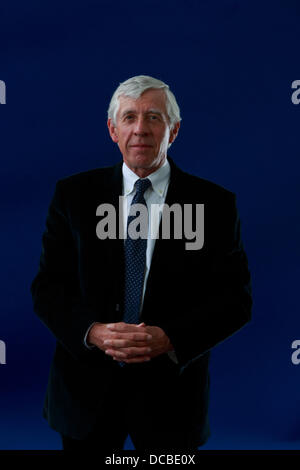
<point x="231" y="65"/>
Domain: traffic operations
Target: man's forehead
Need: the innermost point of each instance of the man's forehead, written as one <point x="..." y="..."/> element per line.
<point x="149" y="99"/>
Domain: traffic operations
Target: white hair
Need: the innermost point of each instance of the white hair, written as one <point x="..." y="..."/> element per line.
<point x="134" y="87"/>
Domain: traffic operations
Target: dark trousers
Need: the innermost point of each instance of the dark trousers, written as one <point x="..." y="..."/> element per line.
<point x="146" y="404"/>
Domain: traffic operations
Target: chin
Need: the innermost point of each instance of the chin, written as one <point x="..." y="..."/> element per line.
<point x="142" y="161"/>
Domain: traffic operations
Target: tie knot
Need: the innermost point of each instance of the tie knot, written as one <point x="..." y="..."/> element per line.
<point x="142" y="185"/>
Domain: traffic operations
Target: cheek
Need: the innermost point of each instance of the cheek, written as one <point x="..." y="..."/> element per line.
<point x="125" y="136"/>
<point x="122" y="139"/>
<point x="164" y="138"/>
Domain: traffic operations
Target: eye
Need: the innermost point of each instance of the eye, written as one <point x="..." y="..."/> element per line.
<point x="128" y="117"/>
<point x="153" y="117"/>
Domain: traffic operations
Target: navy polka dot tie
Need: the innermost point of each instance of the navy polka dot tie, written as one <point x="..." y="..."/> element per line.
<point x="135" y="262"/>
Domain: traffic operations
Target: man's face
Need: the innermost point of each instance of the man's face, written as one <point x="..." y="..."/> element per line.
<point x="142" y="131"/>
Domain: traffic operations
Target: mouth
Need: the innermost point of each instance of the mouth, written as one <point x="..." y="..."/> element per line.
<point x="141" y="146"/>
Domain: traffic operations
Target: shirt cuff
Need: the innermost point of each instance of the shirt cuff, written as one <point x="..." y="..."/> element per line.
<point x="172" y="356"/>
<point x="89" y="346"/>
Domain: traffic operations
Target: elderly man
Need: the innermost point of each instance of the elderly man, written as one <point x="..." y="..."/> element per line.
<point x="135" y="317"/>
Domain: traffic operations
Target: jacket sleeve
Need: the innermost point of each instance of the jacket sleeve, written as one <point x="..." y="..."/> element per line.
<point x="55" y="289"/>
<point x="226" y="305"/>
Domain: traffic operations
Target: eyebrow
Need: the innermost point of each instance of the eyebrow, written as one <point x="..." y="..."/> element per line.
<point x="150" y="111"/>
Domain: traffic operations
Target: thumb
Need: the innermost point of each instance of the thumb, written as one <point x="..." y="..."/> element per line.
<point x="142" y="324"/>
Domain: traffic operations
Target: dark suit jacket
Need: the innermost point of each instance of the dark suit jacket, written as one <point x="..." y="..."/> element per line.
<point x="198" y="298"/>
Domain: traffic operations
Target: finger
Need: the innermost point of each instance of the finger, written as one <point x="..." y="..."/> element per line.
<point x="125" y="343"/>
<point x="133" y="337"/>
<point x="135" y="334"/>
<point x="132" y="351"/>
<point x="116" y="354"/>
<point x="127" y="353"/>
<point x="122" y="326"/>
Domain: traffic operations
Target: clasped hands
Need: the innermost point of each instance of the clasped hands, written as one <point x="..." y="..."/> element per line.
<point x="129" y="342"/>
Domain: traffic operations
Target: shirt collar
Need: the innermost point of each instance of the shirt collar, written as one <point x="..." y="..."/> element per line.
<point x="159" y="179"/>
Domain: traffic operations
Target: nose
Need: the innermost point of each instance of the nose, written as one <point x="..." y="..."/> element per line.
<point x="141" y="127"/>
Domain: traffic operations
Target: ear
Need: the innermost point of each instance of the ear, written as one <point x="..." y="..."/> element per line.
<point x="112" y="130"/>
<point x="174" y="132"/>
